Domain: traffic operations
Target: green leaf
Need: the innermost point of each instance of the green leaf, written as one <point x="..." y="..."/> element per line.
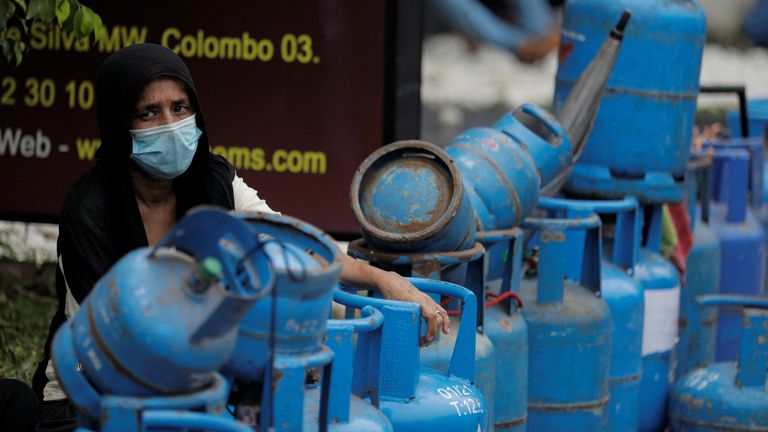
<point x="76" y="24"/>
<point x="86" y="23"/>
<point x="19" y="50"/>
<point x="8" y="50"/>
<point x="97" y="25"/>
<point x="7" y="10"/>
<point x="22" y="4"/>
<point x="44" y="10"/>
<point x="62" y="10"/>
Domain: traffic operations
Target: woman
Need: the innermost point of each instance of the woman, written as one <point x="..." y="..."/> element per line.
<point x="153" y="165"/>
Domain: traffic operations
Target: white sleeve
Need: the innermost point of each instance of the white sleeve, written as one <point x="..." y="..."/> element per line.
<point x="247" y="199"/>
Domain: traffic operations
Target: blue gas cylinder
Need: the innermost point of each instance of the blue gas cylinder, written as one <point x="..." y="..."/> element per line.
<point x="756" y="195"/>
<point x="569" y="344"/>
<point x="757" y="114"/>
<point x="307" y="266"/>
<point x="283" y="335"/>
<point x="661" y="292"/>
<point x="161" y="321"/>
<point x="502" y="176"/>
<point x="413" y="397"/>
<point x="409" y="196"/>
<point x="622" y="293"/>
<point x="728" y="396"/>
<point x="624" y="156"/>
<point x="346" y="412"/>
<point x="696" y="345"/>
<point x="505" y="326"/>
<point x="742" y="242"/>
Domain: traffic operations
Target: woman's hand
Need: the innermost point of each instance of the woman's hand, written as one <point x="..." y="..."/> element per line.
<point x="394" y="287"/>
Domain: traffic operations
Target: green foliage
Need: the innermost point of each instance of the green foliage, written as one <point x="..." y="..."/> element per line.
<point x="17" y="16"/>
<point x="26" y="308"/>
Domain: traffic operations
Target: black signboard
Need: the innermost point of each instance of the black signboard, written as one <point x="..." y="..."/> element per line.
<point x="295" y="93"/>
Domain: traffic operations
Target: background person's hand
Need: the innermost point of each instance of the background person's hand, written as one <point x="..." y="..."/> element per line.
<point x="394" y="287"/>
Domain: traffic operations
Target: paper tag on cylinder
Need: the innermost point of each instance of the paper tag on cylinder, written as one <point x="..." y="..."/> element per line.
<point x="662" y="307"/>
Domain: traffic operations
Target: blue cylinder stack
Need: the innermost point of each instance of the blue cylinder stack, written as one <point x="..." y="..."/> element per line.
<point x="655" y="81"/>
<point x="569" y="344"/>
<point x="622" y="294"/>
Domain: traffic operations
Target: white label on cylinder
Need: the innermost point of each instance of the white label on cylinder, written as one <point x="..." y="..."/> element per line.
<point x="660" y="320"/>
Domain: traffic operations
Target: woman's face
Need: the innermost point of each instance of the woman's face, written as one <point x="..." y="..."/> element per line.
<point x="163" y="101"/>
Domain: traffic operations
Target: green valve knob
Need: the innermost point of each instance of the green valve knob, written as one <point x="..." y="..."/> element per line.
<point x="210" y="268"/>
<point x="208" y="272"/>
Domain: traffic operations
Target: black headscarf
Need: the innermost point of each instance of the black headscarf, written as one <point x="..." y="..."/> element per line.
<point x="100" y="219"/>
<point x="119" y="83"/>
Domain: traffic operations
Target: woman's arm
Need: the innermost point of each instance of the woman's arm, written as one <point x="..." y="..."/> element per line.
<point x="394" y="287"/>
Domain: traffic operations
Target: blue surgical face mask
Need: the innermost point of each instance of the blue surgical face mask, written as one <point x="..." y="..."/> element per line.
<point x="166" y="151"/>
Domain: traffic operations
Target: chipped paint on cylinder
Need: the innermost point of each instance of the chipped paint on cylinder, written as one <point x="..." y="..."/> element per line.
<point x="409" y="196"/>
<point x="501" y="174"/>
<point x="624" y="156"/>
<point x="568" y="323"/>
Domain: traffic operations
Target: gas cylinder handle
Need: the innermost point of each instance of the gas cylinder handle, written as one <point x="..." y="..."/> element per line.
<point x="543" y="116"/>
<point x="280" y="227"/>
<point x="753" y="351"/>
<point x="370" y="320"/>
<point x="187" y="420"/>
<point x="463" y="357"/>
<point x="555" y="251"/>
<point x="732" y="300"/>
<point x="754" y="149"/>
<point x="628" y="223"/>
<point x="227" y="244"/>
<point x="340" y="340"/>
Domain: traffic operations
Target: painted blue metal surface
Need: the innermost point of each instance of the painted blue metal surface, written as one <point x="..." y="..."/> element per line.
<point x="409" y="196"/>
<point x="505" y="326"/>
<point x="161" y="321"/>
<point x="728" y="396"/>
<point x="661" y="292"/>
<point x="502" y="175"/>
<point x="307" y="266"/>
<point x="413" y="397"/>
<point x="622" y="294"/>
<point x="569" y="342"/>
<point x="623" y="155"/>
<point x="345" y="411"/>
<point x="282" y="335"/>
<point x="742" y="242"/>
<point x="696" y="344"/>
<point x="757" y="113"/>
<point x="755" y="197"/>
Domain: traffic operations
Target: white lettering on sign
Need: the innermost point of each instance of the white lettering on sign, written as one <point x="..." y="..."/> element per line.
<point x="13" y="142"/>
